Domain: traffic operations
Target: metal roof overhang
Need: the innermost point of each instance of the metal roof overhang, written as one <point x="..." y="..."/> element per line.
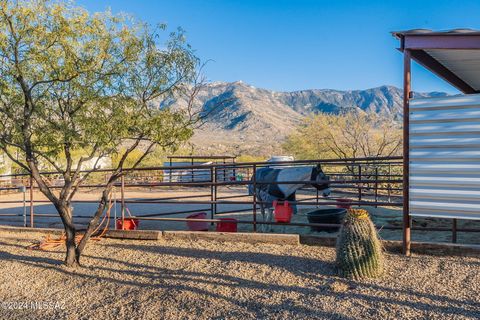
<point x="453" y="55"/>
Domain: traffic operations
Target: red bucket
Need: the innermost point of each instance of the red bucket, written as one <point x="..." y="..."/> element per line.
<point x="344" y="203"/>
<point x="227" y="225"/>
<point x="128" y="224"/>
<point x="197" y="225"/>
<point x="282" y="212"/>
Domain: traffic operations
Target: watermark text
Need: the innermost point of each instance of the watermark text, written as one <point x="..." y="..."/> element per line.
<point x="32" y="305"/>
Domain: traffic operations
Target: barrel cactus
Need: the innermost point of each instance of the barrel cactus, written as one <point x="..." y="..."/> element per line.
<point x="359" y="250"/>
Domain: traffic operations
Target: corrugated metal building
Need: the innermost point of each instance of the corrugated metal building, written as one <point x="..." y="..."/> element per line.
<point x="442" y="135"/>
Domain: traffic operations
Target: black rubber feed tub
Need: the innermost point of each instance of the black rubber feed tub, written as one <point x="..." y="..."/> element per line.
<point x="333" y="216"/>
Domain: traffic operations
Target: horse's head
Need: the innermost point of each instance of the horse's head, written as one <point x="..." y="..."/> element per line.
<point x="321" y="177"/>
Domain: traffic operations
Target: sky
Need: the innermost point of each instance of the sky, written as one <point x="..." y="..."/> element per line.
<point x="287" y="45"/>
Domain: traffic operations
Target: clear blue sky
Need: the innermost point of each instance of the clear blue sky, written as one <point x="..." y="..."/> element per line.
<point x="303" y="44"/>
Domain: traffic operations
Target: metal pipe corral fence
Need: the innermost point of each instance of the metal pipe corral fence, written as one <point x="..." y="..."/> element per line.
<point x="375" y="182"/>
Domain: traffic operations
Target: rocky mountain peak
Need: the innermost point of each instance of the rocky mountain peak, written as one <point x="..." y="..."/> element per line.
<point x="252" y="120"/>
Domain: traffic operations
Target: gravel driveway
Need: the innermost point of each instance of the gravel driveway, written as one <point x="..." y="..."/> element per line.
<point x="216" y="280"/>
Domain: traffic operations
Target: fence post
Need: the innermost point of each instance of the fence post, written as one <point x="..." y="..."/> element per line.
<point x="211" y="192"/>
<point x="376" y="187"/>
<point x="254" y="186"/>
<point x="388" y="185"/>
<point x="454" y="231"/>
<point x="31" y="201"/>
<point x="234" y="169"/>
<point x="122" y="199"/>
<point x="359" y="184"/>
<point x="192" y="171"/>
<point x="114" y="208"/>
<point x="23" y="189"/>
<point x="215" y="192"/>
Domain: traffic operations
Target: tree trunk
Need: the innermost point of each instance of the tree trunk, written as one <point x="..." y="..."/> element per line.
<point x="72" y="258"/>
<point x="92" y="225"/>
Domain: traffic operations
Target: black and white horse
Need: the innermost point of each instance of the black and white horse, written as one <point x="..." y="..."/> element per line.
<point x="267" y="192"/>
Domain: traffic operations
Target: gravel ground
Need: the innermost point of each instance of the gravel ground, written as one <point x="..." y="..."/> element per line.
<point x="215" y="280"/>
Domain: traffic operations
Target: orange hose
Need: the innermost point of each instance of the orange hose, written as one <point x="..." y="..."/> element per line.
<point x="49" y="243"/>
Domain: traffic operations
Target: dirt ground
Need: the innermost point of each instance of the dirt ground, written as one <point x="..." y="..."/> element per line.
<point x="382" y="216"/>
<point x="220" y="280"/>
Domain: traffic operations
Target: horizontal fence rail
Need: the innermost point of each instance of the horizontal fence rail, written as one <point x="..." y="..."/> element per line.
<point x="358" y="182"/>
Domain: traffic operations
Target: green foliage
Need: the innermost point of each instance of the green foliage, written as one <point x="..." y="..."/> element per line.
<point x="359" y="251"/>
<point x="249" y="158"/>
<point x="154" y="159"/>
<point x="349" y="135"/>
<point x="4" y="164"/>
<point x="78" y="87"/>
<point x="79" y="83"/>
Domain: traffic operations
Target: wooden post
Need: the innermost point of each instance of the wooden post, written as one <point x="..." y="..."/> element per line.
<point x="406" y="162"/>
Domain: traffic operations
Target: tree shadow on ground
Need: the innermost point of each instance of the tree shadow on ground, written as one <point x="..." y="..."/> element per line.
<point x="261" y="310"/>
<point x="309" y="267"/>
<point x="300" y="266"/>
<point x="321" y="272"/>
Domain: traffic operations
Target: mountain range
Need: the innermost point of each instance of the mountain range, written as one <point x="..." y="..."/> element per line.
<point x="247" y="120"/>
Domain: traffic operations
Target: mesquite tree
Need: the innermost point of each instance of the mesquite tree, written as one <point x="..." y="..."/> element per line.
<point x="74" y="83"/>
<point x="353" y="134"/>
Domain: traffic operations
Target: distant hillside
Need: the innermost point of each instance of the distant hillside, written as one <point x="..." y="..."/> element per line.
<point x="255" y="121"/>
